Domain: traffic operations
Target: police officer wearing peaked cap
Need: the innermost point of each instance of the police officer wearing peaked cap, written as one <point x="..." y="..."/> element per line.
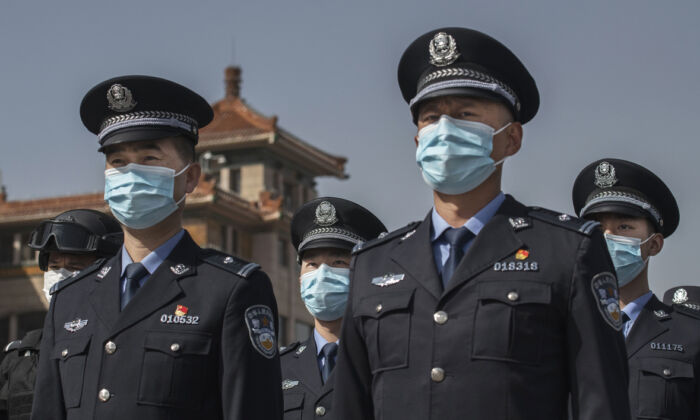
<point x="324" y="231"/>
<point x="638" y="212"/>
<point x="67" y="244"/>
<point x="164" y="329"/>
<point x="487" y="308"/>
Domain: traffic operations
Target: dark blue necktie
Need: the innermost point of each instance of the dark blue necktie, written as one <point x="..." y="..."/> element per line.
<point x="329" y="351"/>
<point x="134" y="273"/>
<point x="457" y="238"/>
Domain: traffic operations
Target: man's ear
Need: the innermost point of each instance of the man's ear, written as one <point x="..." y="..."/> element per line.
<point x="656" y="244"/>
<point x="415" y="140"/>
<point x="514" y="138"/>
<point x="193" y="173"/>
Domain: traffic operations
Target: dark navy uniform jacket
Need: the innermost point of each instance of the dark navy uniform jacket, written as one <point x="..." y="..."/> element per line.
<point x="529" y="317"/>
<point x="190" y="344"/>
<point x="305" y="394"/>
<point x="17" y="375"/>
<point x="663" y="348"/>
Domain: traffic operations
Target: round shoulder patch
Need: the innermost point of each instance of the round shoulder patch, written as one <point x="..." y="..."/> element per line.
<point x="261" y="328"/>
<point x="605" y="291"/>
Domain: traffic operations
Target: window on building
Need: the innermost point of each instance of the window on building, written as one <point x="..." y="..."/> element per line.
<point x="6" y="248"/>
<point x="4" y="331"/>
<point x="282" y="331"/>
<point x="288" y="197"/>
<point x="234" y="180"/>
<point x="302" y="330"/>
<point x="282" y="252"/>
<point x="29" y="321"/>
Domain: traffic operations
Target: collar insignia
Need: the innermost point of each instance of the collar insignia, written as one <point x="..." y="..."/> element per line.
<point x="605" y="175"/>
<point x="443" y="50"/>
<point x="75" y="325"/>
<point x="289" y="384"/>
<point x="103" y="272"/>
<point x="301" y="349"/>
<point x="660" y="313"/>
<point x="680" y="296"/>
<point x="179" y="269"/>
<point x="387" y="279"/>
<point x="408" y="235"/>
<point x="120" y="98"/>
<point x="518" y="223"/>
<point x="325" y="214"/>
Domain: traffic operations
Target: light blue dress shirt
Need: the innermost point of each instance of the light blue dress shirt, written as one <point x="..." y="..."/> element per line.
<point x="633" y="309"/>
<point x="320" y="342"/>
<point x="152" y="260"/>
<point x="441" y="249"/>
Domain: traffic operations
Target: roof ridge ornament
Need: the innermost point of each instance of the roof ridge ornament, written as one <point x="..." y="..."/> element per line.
<point x="443" y="50"/>
<point x="605" y="175"/>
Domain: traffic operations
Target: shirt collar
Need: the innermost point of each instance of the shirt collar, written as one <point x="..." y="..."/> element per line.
<point x="320" y="342"/>
<point x="156" y="257"/>
<point x="633" y="308"/>
<point x="474" y="224"/>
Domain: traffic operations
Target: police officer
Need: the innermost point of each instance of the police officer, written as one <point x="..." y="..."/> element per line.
<point x="638" y="212"/>
<point x="164" y="329"/>
<point x="324" y="231"/>
<point x="685" y="297"/>
<point x="67" y="244"/>
<point x="486" y="309"/>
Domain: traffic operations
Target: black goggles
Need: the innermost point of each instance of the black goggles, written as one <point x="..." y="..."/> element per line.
<point x="69" y="237"/>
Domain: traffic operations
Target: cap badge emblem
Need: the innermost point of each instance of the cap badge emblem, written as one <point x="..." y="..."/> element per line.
<point x="443" y="50"/>
<point x="120" y="98"/>
<point x="680" y="296"/>
<point x="325" y="214"/>
<point x="605" y="175"/>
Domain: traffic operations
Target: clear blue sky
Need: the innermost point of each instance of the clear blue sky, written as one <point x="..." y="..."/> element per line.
<point x="617" y="79"/>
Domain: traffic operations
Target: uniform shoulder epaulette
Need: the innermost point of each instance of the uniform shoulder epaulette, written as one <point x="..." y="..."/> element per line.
<point x="229" y="263"/>
<point x="363" y="246"/>
<point x="564" y="220"/>
<point x="13" y="345"/>
<point x="289" y="348"/>
<point x="80" y="275"/>
<point x="688" y="309"/>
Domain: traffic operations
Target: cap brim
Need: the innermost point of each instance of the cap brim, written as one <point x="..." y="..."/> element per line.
<point x="328" y="243"/>
<point x="128" y="135"/>
<point x="463" y="91"/>
<point x="619" y="208"/>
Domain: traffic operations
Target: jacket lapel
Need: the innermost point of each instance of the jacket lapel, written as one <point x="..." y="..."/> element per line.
<point x="105" y="296"/>
<point x="646" y="327"/>
<point x="495" y="241"/>
<point x="308" y="366"/>
<point x="415" y="255"/>
<point x="162" y="286"/>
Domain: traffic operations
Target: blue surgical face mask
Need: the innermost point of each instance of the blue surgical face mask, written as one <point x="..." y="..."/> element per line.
<point x="626" y="254"/>
<point x="141" y="196"/>
<point x="325" y="292"/>
<point x="455" y="155"/>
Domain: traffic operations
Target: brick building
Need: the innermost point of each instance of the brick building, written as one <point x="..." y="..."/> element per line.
<point x="255" y="174"/>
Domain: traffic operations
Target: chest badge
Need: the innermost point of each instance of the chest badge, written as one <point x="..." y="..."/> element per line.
<point x="520" y="263"/>
<point x="604" y="286"/>
<point x="289" y="384"/>
<point x="75" y="325"/>
<point x="180" y="317"/>
<point x="387" y="279"/>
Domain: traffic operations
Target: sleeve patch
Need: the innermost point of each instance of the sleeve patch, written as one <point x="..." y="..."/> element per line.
<point x="605" y="291"/>
<point x="261" y="328"/>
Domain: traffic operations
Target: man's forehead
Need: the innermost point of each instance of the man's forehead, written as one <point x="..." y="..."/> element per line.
<point x="138" y="146"/>
<point x="617" y="217"/>
<point x="325" y="252"/>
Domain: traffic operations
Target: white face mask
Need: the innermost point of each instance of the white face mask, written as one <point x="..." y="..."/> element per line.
<point x="52" y="277"/>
